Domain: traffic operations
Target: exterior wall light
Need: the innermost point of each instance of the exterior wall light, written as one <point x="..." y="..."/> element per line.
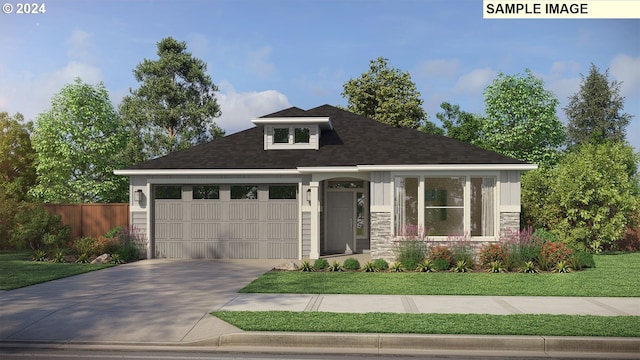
<point x="137" y="195"/>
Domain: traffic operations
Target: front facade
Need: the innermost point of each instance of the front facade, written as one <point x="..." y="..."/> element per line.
<point x="304" y="184"/>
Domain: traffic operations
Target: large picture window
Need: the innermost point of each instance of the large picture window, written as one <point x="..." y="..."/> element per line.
<point x="439" y="205"/>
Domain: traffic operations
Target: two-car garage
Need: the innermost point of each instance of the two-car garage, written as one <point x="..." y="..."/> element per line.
<point x="234" y="221"/>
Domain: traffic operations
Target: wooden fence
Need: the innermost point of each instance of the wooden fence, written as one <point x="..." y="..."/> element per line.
<point x="91" y="219"/>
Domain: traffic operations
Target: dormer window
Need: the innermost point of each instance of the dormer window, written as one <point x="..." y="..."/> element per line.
<point x="293" y="133"/>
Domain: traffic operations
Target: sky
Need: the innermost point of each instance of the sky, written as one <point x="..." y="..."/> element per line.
<point x="268" y="55"/>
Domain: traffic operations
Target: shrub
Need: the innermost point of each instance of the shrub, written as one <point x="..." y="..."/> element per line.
<point x="461" y="266"/>
<point x="441" y="252"/>
<point x="462" y="250"/>
<point x="116" y="259"/>
<point x="306" y="266"/>
<point x="410" y="252"/>
<point x="441" y="264"/>
<point x="126" y="242"/>
<point x="82" y="259"/>
<point x="321" y="264"/>
<point x="562" y="267"/>
<point x="380" y="264"/>
<point x="490" y="253"/>
<point x="351" y="264"/>
<point x="520" y="246"/>
<point x="335" y="266"/>
<point x="397" y="267"/>
<point x="495" y="267"/>
<point x="58" y="256"/>
<point x="529" y="268"/>
<point x="368" y="267"/>
<point x="555" y="251"/>
<point x="39" y="255"/>
<point x="581" y="260"/>
<point x="105" y="245"/>
<point x="37" y="229"/>
<point x="83" y="246"/>
<point x="425" y="266"/>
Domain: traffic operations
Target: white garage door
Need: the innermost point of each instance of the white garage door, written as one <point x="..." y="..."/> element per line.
<point x="226" y="221"/>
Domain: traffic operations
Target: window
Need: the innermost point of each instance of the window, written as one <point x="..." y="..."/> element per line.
<point x="244" y="192"/>
<point x="201" y="192"/>
<point x="444" y="206"/>
<point x="406" y="207"/>
<point x="168" y="192"/>
<point x="482" y="206"/>
<point x="301" y="136"/>
<point x="282" y="191"/>
<point x="281" y="135"/>
<point x="360" y="214"/>
<point x="439" y="205"/>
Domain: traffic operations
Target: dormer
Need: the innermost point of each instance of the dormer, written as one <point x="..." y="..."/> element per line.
<point x="289" y="133"/>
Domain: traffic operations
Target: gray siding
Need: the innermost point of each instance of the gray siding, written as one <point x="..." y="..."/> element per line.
<point x="139" y="224"/>
<point x="510" y="188"/>
<point x="379" y="191"/>
<point x="306" y="233"/>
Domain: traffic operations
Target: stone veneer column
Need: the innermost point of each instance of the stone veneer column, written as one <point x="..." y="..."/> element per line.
<point x="509" y="221"/>
<point x="382" y="246"/>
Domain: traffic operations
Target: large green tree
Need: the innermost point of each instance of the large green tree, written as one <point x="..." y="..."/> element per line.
<point x="461" y="125"/>
<point x="521" y="119"/>
<point x="589" y="198"/>
<point x="595" y="111"/>
<point x="17" y="170"/>
<point x="174" y="107"/>
<point x="79" y="142"/>
<point x="385" y="94"/>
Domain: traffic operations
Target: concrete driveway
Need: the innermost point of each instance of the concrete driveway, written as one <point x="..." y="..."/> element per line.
<point x="149" y="301"/>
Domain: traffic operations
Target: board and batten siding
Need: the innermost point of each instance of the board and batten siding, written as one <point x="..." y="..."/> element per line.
<point x="306" y="233"/>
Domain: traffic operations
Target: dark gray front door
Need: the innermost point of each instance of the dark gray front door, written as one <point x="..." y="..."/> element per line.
<point x="340" y="233"/>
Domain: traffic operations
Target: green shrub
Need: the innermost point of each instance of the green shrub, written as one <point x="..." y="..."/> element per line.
<point x="39" y="255"/>
<point x="461" y="266"/>
<point x="397" y="267"/>
<point x="115" y="232"/>
<point x="335" y="266"/>
<point x="306" y="266"/>
<point x="321" y="264"/>
<point x="441" y="264"/>
<point x="83" y="246"/>
<point x="562" y="267"/>
<point x="495" y="267"/>
<point x="368" y="267"/>
<point x="116" y="259"/>
<point x="529" y="268"/>
<point x="462" y="250"/>
<point x="425" y="266"/>
<point x="410" y="253"/>
<point x="380" y="264"/>
<point x="37" y="229"/>
<point x="351" y="264"/>
<point x="82" y="259"/>
<point x="58" y="256"/>
<point x="544" y="235"/>
<point x="124" y="241"/>
<point x="581" y="260"/>
<point x="555" y="251"/>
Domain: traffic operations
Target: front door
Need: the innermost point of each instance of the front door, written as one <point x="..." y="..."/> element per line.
<point x="340" y="233"/>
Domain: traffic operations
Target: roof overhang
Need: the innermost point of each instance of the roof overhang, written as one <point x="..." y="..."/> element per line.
<point x="323" y="122"/>
<point x="329" y="169"/>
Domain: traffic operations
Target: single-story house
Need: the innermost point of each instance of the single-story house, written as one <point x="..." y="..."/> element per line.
<point x="308" y="183"/>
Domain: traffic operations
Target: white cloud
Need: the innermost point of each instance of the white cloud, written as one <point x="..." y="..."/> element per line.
<point x="239" y="108"/>
<point x="564" y="68"/>
<point x="626" y="69"/>
<point x="475" y="81"/>
<point x="80" y="45"/>
<point x="257" y="62"/>
<point x="438" y="68"/>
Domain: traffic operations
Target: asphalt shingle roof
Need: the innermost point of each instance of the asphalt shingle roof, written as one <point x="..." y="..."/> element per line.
<point x="354" y="140"/>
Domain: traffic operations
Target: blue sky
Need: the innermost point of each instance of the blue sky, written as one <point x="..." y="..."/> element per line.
<point x="269" y="55"/>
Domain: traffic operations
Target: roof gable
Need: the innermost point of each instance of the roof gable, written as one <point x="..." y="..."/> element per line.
<point x="354" y="140"/>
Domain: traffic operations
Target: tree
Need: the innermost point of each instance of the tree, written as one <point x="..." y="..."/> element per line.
<point x="589" y="198"/>
<point x="17" y="171"/>
<point x="175" y="105"/>
<point x="594" y="112"/>
<point x="521" y="119"/>
<point x="385" y="94"/>
<point x="461" y="125"/>
<point x="79" y="142"/>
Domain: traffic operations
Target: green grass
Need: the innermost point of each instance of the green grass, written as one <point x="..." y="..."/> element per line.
<point x="615" y="276"/>
<point x="17" y="270"/>
<point x="542" y="325"/>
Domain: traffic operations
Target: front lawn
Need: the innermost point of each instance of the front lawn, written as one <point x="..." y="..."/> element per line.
<point x="17" y="270"/>
<point x="614" y="276"/>
<point x="468" y="324"/>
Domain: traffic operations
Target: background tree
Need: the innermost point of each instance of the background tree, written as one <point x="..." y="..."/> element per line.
<point x="175" y="105"/>
<point x="79" y="142"/>
<point x="17" y="171"/>
<point x="461" y="125"/>
<point x="595" y="111"/>
<point x="521" y="119"/>
<point x="589" y="198"/>
<point x="385" y="94"/>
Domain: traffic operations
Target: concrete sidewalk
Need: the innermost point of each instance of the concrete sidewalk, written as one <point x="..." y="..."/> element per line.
<point x="495" y="305"/>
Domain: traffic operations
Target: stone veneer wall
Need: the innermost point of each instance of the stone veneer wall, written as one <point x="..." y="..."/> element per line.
<point x="509" y="221"/>
<point x="381" y="238"/>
